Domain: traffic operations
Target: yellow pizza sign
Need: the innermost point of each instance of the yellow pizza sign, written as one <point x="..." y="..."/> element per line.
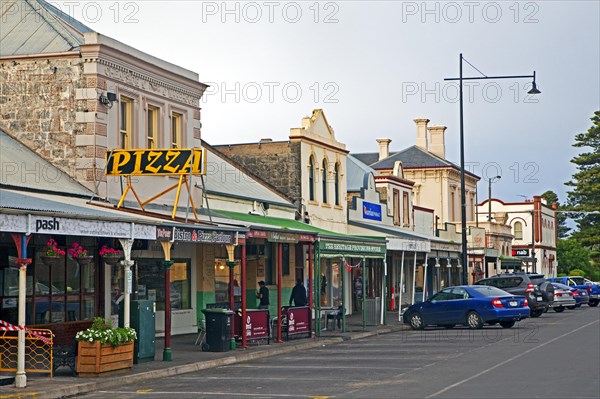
<point x="170" y="161"/>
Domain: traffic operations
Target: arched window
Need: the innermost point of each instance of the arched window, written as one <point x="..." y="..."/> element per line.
<point x="518" y="230"/>
<point x="324" y="181"/>
<point x="336" y="185"/>
<point x="311" y="179"/>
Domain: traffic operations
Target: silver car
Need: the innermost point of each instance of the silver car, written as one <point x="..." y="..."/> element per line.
<point x="563" y="297"/>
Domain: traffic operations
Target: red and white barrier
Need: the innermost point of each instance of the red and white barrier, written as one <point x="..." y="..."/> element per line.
<point x="6" y="326"/>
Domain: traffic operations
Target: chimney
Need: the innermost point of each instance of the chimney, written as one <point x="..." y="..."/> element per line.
<point x="437" y="143"/>
<point x="384" y="148"/>
<point x="421" y="132"/>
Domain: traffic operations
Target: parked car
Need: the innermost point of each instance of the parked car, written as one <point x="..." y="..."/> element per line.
<point x="468" y="305"/>
<point x="580" y="282"/>
<point x="563" y="297"/>
<point x="581" y="297"/>
<point x="538" y="291"/>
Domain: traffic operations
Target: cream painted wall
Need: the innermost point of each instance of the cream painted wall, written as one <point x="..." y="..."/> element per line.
<point x="322" y="146"/>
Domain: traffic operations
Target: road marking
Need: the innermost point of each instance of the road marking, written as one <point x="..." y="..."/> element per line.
<point x="144" y="390"/>
<point x="508" y="361"/>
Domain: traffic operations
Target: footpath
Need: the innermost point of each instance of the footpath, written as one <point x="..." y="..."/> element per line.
<point x="187" y="358"/>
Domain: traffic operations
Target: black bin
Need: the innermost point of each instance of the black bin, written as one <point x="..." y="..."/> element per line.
<point x="218" y="329"/>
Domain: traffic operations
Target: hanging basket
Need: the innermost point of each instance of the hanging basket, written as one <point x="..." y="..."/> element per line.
<point x="84" y="260"/>
<point x="111" y="260"/>
<point x="52" y="260"/>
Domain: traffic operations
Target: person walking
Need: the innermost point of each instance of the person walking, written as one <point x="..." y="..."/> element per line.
<point x="298" y="294"/>
<point x="263" y="295"/>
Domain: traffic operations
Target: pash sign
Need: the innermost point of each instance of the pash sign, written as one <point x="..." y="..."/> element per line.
<point x="170" y="161"/>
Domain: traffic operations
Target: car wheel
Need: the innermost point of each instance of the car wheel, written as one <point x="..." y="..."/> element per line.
<point x="507" y="324"/>
<point x="416" y="321"/>
<point x="593" y="303"/>
<point x="571" y="307"/>
<point x="537" y="313"/>
<point x="559" y="309"/>
<point x="474" y="320"/>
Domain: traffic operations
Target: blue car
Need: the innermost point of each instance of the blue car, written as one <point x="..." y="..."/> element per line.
<point x="472" y="306"/>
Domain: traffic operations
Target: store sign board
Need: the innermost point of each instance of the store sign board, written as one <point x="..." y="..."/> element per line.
<point x="154" y="162"/>
<point x="276" y="236"/>
<point x="202" y="236"/>
<point x="342" y="247"/>
<point x="91" y="228"/>
<point x="520" y="252"/>
<point x="371" y="211"/>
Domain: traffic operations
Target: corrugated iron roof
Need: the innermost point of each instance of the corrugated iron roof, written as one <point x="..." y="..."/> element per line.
<point x="37" y="27"/>
<point x="355" y="176"/>
<point x="22" y="167"/>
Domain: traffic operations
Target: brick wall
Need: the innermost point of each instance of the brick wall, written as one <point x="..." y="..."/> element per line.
<point x="277" y="163"/>
<point x="38" y="106"/>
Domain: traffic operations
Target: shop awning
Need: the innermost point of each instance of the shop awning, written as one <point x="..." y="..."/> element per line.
<point x="330" y="243"/>
<point x="46" y="213"/>
<point x="397" y="239"/>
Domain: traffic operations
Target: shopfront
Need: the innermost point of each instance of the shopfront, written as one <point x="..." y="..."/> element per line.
<point x="60" y="287"/>
<point x="350" y="273"/>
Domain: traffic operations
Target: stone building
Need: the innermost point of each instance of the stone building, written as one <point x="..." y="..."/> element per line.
<point x="70" y="93"/>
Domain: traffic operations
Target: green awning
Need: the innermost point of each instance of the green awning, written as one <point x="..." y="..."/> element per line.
<point x="330" y="243"/>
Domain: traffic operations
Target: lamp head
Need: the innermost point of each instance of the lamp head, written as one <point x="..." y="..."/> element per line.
<point x="534" y="89"/>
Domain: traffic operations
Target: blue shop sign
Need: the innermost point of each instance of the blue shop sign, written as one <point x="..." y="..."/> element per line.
<point x="371" y="211"/>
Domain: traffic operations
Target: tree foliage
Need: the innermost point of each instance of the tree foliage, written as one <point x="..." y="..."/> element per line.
<point x="585" y="194"/>
<point x="561" y="217"/>
<point x="570" y="255"/>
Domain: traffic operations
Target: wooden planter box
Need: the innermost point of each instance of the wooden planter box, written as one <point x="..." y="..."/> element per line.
<point x="96" y="359"/>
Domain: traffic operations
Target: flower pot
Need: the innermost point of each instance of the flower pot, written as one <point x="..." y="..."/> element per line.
<point x="84" y="260"/>
<point x="52" y="260"/>
<point x="111" y="260"/>
<point x="95" y="359"/>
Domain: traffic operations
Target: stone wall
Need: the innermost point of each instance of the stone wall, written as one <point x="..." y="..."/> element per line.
<point x="38" y="107"/>
<point x="277" y="163"/>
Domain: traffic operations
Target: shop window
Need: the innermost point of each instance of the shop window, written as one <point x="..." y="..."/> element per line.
<point x="126" y="122"/>
<point x="518" y="230"/>
<point x="285" y="255"/>
<point x="222" y="281"/>
<point x="336" y="185"/>
<point x="324" y="181"/>
<point x="176" y="129"/>
<point x="152" y="127"/>
<point x="150" y="283"/>
<point x="311" y="179"/>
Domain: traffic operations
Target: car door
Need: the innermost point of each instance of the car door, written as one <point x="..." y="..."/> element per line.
<point x="458" y="305"/>
<point x="437" y="308"/>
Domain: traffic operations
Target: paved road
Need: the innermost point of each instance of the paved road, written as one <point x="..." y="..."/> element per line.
<point x="555" y="356"/>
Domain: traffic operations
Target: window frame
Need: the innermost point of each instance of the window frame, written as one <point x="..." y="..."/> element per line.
<point x="152" y="123"/>
<point x="126" y="122"/>
<point x="324" y="181"/>
<point x="311" y="178"/>
<point x="176" y="137"/>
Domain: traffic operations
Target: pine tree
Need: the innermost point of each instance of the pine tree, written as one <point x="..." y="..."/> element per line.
<point x="585" y="196"/>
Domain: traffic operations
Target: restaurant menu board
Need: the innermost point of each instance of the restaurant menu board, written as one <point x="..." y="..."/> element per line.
<point x="298" y="319"/>
<point x="257" y="324"/>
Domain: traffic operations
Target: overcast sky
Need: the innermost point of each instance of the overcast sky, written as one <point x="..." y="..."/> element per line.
<point x="375" y="66"/>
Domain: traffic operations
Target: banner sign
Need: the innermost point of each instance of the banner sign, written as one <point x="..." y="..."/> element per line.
<point x="195" y="235"/>
<point x="154" y="162"/>
<point x="371" y="211"/>
<point x="257" y="324"/>
<point x="357" y="248"/>
<point x="520" y="252"/>
<point x="298" y="320"/>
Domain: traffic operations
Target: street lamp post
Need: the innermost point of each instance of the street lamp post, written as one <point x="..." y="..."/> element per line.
<point x="463" y="204"/>
<point x="490" y="179"/>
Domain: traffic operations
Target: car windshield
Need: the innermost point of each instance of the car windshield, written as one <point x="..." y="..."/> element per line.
<point x="488" y="291"/>
<point x="577" y="280"/>
<point x="537" y="279"/>
<point x="561" y="286"/>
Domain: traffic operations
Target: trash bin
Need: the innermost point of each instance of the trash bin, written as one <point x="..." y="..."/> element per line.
<point x="218" y="329"/>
